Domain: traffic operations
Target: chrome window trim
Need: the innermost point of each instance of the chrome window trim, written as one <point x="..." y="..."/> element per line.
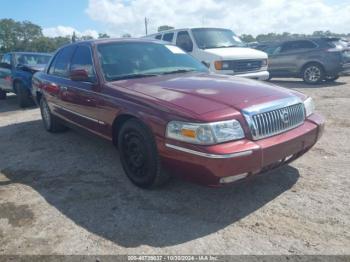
<point x="207" y="155"/>
<point x="78" y="114"/>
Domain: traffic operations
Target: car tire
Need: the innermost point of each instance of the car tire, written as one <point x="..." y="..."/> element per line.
<point x="139" y="155"/>
<point x="51" y="123"/>
<point x="331" y="78"/>
<point x="2" y="95"/>
<point x="313" y="74"/>
<point x="24" y="99"/>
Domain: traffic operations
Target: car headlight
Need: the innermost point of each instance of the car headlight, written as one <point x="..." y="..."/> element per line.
<point x="222" y="65"/>
<point x="309" y="106"/>
<point x="205" y="134"/>
<point x="264" y="63"/>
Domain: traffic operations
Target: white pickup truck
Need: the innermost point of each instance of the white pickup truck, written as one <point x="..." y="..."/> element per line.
<point x="220" y="49"/>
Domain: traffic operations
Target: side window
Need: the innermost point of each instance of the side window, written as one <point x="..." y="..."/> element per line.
<point x="184" y="41"/>
<point x="295" y="45"/>
<point x="158" y="37"/>
<point x="305" y="45"/>
<point x="286" y="47"/>
<point x="6" y="59"/>
<point x="60" y="65"/>
<point x="82" y="59"/>
<point x="168" y="37"/>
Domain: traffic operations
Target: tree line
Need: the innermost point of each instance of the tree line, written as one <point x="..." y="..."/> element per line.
<point x="27" y="36"/>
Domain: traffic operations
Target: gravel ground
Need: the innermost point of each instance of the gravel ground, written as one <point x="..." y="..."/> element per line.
<point x="67" y="194"/>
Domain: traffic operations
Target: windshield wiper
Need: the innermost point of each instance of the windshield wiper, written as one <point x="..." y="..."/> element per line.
<point x="179" y="71"/>
<point x="130" y="76"/>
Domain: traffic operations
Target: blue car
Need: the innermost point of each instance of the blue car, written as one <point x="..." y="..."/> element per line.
<point x="16" y="71"/>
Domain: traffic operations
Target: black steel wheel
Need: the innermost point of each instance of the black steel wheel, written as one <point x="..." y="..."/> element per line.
<point x="51" y="122"/>
<point x="139" y="155"/>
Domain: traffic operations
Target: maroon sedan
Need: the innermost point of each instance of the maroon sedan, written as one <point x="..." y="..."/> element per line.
<point x="167" y="114"/>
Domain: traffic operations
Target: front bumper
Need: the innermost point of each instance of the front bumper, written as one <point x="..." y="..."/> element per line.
<point x="259" y="75"/>
<point x="208" y="164"/>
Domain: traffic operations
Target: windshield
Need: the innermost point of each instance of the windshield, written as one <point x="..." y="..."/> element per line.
<point x="216" y="38"/>
<point x="125" y="60"/>
<point x="31" y="59"/>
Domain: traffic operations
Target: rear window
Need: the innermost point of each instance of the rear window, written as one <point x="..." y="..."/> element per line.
<point x="60" y="65"/>
<point x="335" y="42"/>
<point x="296" y="45"/>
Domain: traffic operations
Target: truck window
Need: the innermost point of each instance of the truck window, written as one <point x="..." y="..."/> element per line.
<point x="168" y="37"/>
<point x="184" y="41"/>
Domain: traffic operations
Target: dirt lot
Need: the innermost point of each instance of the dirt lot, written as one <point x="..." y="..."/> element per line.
<point x="67" y="194"/>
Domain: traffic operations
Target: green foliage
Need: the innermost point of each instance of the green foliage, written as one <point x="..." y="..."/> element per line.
<point x="164" y="28"/>
<point x="26" y="36"/>
<point x="103" y="35"/>
<point x="247" y="38"/>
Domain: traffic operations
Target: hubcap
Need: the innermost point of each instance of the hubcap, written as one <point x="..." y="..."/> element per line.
<point x="135" y="154"/>
<point x="312" y="73"/>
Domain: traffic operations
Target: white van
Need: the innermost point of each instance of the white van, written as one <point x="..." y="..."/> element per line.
<point x="220" y="49"/>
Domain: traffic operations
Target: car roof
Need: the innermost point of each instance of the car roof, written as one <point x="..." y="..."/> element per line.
<point x="185" y="29"/>
<point x="311" y="38"/>
<point x="116" y="40"/>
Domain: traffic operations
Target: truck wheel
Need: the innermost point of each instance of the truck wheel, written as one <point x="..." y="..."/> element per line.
<point x="2" y="95"/>
<point x="139" y="155"/>
<point x="51" y="122"/>
<point x="24" y="99"/>
<point x="313" y="73"/>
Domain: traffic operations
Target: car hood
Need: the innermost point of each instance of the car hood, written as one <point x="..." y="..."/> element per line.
<point x="201" y="93"/>
<point x="237" y="53"/>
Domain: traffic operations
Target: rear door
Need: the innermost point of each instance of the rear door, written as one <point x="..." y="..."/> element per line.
<point x="80" y="98"/>
<point x="57" y="79"/>
<point x="6" y="72"/>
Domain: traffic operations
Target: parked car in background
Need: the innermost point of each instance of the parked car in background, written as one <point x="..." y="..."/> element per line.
<point x="313" y="59"/>
<point x="16" y="71"/>
<point x="166" y="112"/>
<point x="220" y="49"/>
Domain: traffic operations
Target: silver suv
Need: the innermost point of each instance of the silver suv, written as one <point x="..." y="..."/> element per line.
<point x="313" y="59"/>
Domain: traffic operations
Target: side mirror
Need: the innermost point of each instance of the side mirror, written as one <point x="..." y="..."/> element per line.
<point x="5" y="65"/>
<point x="79" y="75"/>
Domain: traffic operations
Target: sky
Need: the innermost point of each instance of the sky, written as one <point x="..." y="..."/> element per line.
<point x="117" y="17"/>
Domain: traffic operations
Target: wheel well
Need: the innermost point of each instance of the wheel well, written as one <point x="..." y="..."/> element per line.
<point x="310" y="63"/>
<point x="117" y="124"/>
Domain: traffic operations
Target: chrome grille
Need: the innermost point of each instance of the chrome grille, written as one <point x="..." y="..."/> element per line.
<point x="276" y="121"/>
<point x="240" y="66"/>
